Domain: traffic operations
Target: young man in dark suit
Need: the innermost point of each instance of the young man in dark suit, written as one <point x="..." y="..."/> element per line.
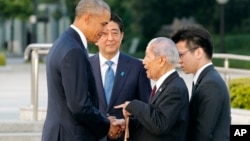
<point x="72" y="113"/>
<point x="209" y="105"/>
<point x="165" y="117"/>
<point x="130" y="80"/>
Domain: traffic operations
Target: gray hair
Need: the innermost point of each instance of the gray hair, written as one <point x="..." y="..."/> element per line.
<point x="165" y="46"/>
<point x="91" y="6"/>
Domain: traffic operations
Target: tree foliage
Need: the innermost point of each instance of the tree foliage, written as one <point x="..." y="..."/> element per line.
<point x="153" y="14"/>
<point x="237" y="16"/>
<point x="145" y="18"/>
<point x="148" y="16"/>
<point x="16" y="8"/>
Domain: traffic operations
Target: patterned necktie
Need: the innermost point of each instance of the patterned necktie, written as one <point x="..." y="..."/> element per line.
<point x="109" y="81"/>
<point x="152" y="93"/>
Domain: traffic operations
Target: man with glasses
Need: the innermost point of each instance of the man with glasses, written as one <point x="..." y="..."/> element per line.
<point x="209" y="105"/>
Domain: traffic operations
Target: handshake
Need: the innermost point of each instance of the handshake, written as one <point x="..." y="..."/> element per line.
<point x="118" y="126"/>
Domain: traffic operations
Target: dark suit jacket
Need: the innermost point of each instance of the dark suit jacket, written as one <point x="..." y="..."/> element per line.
<point x="165" y="118"/>
<point x="209" y="108"/>
<point x="72" y="113"/>
<point x="131" y="83"/>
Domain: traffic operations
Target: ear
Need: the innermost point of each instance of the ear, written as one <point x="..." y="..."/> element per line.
<point x="87" y="17"/>
<point x="199" y="52"/>
<point x="122" y="34"/>
<point x="163" y="60"/>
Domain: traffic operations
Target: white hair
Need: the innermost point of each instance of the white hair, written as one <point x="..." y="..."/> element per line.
<point x="165" y="46"/>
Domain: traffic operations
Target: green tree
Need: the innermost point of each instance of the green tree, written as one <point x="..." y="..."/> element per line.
<point x="122" y="8"/>
<point x="151" y="14"/>
<point x="237" y="16"/>
<point x="11" y="9"/>
<point x="16" y="9"/>
<point x="144" y="19"/>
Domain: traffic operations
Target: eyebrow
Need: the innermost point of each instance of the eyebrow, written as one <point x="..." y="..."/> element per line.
<point x="115" y="29"/>
<point x="104" y="23"/>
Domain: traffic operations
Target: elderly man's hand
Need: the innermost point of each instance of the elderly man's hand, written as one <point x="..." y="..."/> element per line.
<point x="123" y="106"/>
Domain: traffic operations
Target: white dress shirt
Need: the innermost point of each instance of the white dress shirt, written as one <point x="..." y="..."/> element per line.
<point x="196" y="76"/>
<point x="162" y="79"/>
<point x="104" y="66"/>
<point x="82" y="36"/>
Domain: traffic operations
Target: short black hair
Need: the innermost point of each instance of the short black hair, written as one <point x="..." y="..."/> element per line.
<point x="115" y="18"/>
<point x="195" y="35"/>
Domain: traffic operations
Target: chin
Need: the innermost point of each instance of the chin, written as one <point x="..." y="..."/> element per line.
<point x="149" y="76"/>
<point x="92" y="41"/>
<point x="187" y="72"/>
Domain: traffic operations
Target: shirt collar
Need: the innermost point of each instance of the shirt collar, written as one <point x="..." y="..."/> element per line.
<point x="82" y="36"/>
<point x="197" y="74"/>
<point x="114" y="59"/>
<point x="162" y="78"/>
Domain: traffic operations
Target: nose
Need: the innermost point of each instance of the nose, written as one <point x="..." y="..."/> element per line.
<point x="180" y="60"/>
<point x="110" y="37"/>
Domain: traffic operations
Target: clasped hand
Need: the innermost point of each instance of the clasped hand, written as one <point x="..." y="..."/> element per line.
<point x="117" y="126"/>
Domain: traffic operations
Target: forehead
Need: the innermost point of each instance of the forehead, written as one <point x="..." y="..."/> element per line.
<point x="104" y="18"/>
<point x="111" y="26"/>
<point x="181" y="44"/>
<point x="149" y="49"/>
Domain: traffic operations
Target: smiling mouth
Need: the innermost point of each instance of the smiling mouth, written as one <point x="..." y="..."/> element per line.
<point x="110" y="45"/>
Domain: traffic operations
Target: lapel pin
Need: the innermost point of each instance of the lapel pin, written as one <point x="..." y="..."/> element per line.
<point x="160" y="89"/>
<point x="122" y="73"/>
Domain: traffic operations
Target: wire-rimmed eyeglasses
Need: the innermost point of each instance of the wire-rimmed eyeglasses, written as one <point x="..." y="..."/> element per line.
<point x="183" y="53"/>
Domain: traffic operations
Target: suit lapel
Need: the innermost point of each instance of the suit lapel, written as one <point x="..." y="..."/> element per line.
<point x="121" y="75"/>
<point x="164" y="86"/>
<point x="202" y="75"/>
<point x="98" y="78"/>
<point x="76" y="36"/>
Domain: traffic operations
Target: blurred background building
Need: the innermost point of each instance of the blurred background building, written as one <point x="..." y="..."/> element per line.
<point x="16" y="34"/>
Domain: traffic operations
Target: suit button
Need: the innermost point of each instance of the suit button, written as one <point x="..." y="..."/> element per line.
<point x="107" y="115"/>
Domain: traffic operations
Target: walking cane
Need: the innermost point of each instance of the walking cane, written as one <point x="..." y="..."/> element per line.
<point x="126" y="136"/>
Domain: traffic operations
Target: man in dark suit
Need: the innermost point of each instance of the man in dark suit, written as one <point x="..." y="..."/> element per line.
<point x="130" y="80"/>
<point x="165" y="117"/>
<point x="209" y="104"/>
<point x="73" y="113"/>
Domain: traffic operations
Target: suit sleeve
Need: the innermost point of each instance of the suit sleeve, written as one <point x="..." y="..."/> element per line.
<point x="79" y="101"/>
<point x="158" y="118"/>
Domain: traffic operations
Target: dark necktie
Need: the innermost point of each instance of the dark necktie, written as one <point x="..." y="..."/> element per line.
<point x="193" y="87"/>
<point x="152" y="93"/>
<point x="109" y="81"/>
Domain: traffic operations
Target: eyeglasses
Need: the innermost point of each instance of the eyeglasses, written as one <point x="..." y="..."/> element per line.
<point x="183" y="53"/>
